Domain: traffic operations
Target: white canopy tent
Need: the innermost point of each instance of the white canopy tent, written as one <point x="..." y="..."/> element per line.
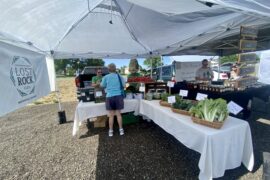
<point x="126" y="28"/>
<point x="138" y="28"/>
<point x="112" y="29"/>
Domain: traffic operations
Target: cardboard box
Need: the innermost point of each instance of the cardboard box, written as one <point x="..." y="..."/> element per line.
<point x="101" y="121"/>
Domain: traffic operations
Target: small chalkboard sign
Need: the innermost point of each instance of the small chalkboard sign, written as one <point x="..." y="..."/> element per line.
<point x="249" y="32"/>
<point x="248" y="45"/>
<point x="246" y="70"/>
<point x="246" y="82"/>
<point x="249" y="58"/>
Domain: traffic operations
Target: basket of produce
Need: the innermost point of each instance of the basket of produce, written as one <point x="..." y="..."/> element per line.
<point x="157" y="95"/>
<point x="149" y="96"/>
<point x="164" y="100"/>
<point x="140" y="79"/>
<point x="209" y="112"/>
<point x="182" y="106"/>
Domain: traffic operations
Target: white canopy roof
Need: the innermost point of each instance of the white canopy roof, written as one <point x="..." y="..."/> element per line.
<point x="139" y="28"/>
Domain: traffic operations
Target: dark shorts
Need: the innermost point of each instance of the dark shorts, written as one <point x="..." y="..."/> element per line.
<point x="115" y="103"/>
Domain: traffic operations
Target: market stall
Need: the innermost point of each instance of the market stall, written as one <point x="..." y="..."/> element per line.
<point x="90" y="110"/>
<point x="221" y="149"/>
<point x="128" y="29"/>
<point x="242" y="97"/>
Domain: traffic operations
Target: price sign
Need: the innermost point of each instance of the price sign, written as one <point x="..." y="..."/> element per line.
<point x="171" y="99"/>
<point x="83" y="94"/>
<point x="234" y="108"/>
<point x="142" y="88"/>
<point x="98" y="93"/>
<point x="170" y="84"/>
<point x="183" y="93"/>
<point x="201" y="96"/>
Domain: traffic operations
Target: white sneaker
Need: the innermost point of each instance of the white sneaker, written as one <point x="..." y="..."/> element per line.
<point x="121" y="132"/>
<point x="110" y="133"/>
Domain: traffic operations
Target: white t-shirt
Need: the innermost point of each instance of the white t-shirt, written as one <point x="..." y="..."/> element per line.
<point x="204" y="73"/>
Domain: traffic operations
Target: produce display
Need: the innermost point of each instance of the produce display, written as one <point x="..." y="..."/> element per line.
<point x="140" y="79"/>
<point x="157" y="95"/>
<point x="183" y="104"/>
<point x="210" y="110"/>
<point x="164" y="100"/>
<point x="164" y="97"/>
<point x="149" y="96"/>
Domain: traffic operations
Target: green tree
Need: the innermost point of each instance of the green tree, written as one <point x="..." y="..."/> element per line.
<point x="143" y="71"/>
<point x="122" y="69"/>
<point x="230" y="58"/>
<point x="94" y="62"/>
<point x="61" y="65"/>
<point x="156" y="61"/>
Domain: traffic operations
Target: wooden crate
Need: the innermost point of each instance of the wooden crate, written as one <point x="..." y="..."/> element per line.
<point x="216" y="125"/>
<point x="180" y="111"/>
<point x="165" y="103"/>
<point x="101" y="121"/>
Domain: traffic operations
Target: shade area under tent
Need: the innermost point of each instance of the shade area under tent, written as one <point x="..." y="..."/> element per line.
<point x="130" y="28"/>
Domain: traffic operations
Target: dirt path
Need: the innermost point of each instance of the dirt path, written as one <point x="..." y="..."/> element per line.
<point x="67" y="92"/>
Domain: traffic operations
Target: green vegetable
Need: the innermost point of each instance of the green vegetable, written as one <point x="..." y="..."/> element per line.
<point x="211" y="110"/>
<point x="182" y="104"/>
<point x="164" y="96"/>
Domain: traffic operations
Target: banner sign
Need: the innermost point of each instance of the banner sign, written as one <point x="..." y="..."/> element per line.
<point x="23" y="76"/>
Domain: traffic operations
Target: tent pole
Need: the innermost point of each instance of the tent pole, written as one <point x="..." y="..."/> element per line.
<point x="220" y="53"/>
<point x="58" y="99"/>
<point x="151" y="68"/>
<point x="61" y="113"/>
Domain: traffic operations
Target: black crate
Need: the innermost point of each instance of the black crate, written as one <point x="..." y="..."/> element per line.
<point x="87" y="94"/>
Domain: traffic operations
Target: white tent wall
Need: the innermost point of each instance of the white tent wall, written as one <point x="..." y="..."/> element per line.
<point x="23" y="76"/>
<point x="51" y="72"/>
<point x="264" y="73"/>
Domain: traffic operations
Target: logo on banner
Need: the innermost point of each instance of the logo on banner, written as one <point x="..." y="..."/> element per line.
<point x="23" y="75"/>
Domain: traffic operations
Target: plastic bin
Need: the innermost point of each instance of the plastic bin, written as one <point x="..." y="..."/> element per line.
<point x="130" y="118"/>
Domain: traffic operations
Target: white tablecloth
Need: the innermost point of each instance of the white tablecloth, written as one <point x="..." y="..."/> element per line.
<point x="91" y="110"/>
<point x="220" y="149"/>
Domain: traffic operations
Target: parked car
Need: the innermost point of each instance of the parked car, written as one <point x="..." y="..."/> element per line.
<point x="224" y="71"/>
<point x="83" y="80"/>
<point x="220" y="75"/>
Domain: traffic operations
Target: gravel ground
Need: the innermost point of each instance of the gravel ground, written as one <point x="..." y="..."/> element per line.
<point x="34" y="146"/>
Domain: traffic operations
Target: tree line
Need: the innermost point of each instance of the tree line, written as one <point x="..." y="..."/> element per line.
<point x="70" y="66"/>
